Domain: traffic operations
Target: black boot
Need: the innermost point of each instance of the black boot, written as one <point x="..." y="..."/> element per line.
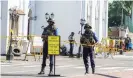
<point x="86" y="72"/>
<point x="93" y="70"/>
<point x="42" y="70"/>
<point x="51" y="70"/>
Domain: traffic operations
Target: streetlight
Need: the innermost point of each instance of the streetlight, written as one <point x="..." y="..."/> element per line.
<point x="49" y="16"/>
<point x="52" y="15"/>
<point x="46" y="16"/>
<point x="82" y="23"/>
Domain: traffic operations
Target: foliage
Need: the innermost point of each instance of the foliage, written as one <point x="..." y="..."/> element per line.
<point x="115" y="12"/>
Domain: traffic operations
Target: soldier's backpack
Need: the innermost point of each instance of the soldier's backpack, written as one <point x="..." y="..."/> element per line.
<point x="88" y="38"/>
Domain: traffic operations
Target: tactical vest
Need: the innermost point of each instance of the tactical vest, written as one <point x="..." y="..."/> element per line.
<point x="49" y="31"/>
<point x="87" y="38"/>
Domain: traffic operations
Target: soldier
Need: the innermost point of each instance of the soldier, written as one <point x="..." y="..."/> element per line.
<point x="127" y="41"/>
<point x="48" y="31"/>
<point x="71" y="40"/>
<point x="88" y="38"/>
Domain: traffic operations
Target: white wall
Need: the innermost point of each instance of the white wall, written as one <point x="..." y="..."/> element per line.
<point x="0" y="26"/>
<point x="4" y="26"/>
<point x="32" y="22"/>
<point x="67" y="17"/>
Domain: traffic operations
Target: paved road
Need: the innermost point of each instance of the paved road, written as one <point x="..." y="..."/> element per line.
<point x="68" y="67"/>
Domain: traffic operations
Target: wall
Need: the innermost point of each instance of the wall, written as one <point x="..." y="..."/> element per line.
<point x="4" y="26"/>
<point x="32" y="22"/>
<point x="67" y="16"/>
<point x="0" y="26"/>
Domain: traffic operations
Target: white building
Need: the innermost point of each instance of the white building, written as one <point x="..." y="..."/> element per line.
<point x="5" y="24"/>
<point x="67" y="17"/>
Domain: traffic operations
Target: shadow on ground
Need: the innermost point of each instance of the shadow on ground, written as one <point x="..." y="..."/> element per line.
<point x="31" y="75"/>
<point x="106" y="75"/>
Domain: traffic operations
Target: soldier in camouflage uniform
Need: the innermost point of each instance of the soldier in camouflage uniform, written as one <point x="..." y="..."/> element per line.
<point x="48" y="31"/>
<point x="88" y="38"/>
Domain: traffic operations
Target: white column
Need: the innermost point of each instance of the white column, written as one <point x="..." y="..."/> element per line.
<point x="90" y="13"/>
<point x="106" y="18"/>
<point x="93" y="15"/>
<point x="20" y="28"/>
<point x="86" y="10"/>
<point x="25" y="22"/>
<point x="100" y="27"/>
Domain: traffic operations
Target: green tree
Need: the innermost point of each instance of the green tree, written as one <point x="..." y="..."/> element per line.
<point x="115" y="12"/>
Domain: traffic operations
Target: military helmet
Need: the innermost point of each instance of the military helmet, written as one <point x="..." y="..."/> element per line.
<point x="50" y="20"/>
<point x="87" y="26"/>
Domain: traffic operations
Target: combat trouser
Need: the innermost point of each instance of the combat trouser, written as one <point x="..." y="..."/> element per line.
<point x="71" y="49"/>
<point x="88" y="52"/>
<point x="45" y="55"/>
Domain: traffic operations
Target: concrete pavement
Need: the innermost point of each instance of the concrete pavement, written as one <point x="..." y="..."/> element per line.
<point x="126" y="74"/>
<point x="70" y="68"/>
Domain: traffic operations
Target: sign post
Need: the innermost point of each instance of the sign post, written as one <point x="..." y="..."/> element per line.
<point x="54" y="48"/>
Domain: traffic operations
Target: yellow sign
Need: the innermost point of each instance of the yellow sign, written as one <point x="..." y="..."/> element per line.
<point x="53" y="45"/>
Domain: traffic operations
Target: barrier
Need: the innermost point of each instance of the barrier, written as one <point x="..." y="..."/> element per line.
<point x="33" y="46"/>
<point x="105" y="46"/>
